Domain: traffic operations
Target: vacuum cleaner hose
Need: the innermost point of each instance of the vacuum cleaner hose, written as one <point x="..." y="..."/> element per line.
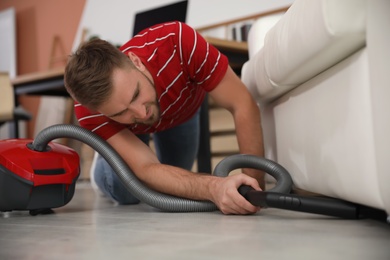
<point x="138" y="189"/>
<point x="283" y="178"/>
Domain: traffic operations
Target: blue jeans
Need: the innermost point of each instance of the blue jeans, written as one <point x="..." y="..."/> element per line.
<point x="177" y="146"/>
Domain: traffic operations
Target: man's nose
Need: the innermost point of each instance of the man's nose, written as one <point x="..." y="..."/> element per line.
<point x="139" y="111"/>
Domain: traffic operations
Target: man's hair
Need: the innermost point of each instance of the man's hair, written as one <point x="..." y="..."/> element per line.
<point x="88" y="73"/>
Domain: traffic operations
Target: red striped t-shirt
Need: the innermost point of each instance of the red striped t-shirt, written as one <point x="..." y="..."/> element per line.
<point x="184" y="67"/>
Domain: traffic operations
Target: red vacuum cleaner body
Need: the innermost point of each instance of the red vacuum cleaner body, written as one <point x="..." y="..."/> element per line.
<point x="33" y="180"/>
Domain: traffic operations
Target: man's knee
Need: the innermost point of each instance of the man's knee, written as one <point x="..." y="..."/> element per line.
<point x="110" y="184"/>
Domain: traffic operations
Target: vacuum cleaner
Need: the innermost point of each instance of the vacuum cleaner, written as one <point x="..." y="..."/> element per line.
<point x="38" y="175"/>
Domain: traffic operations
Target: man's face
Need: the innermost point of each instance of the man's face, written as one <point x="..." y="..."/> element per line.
<point x="133" y="100"/>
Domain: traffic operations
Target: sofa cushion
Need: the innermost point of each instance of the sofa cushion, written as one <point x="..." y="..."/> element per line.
<point x="258" y="31"/>
<point x="310" y="37"/>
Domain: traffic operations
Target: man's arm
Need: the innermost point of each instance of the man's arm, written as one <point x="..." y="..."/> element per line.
<point x="233" y="95"/>
<point x="179" y="182"/>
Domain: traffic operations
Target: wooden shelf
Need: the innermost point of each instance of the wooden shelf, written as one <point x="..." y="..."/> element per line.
<point x="250" y="17"/>
<point x="233" y="46"/>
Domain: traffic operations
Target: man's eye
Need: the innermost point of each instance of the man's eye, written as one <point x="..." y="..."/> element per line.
<point x="136" y="94"/>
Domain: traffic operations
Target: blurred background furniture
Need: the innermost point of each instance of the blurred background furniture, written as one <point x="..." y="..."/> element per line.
<point x="8" y="111"/>
<point x="47" y="83"/>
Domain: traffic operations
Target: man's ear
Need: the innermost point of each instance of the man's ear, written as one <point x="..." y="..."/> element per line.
<point x="136" y="61"/>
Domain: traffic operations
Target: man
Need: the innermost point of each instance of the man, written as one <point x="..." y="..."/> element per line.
<point x="155" y="84"/>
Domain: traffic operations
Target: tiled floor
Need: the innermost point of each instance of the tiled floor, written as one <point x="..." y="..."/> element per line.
<point x="91" y="227"/>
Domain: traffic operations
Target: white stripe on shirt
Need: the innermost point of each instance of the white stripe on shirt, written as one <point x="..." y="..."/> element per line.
<point x="96" y="128"/>
<point x="88" y="117"/>
<point x="170" y="85"/>
<point x="180" y="48"/>
<point x="193" y="48"/>
<point x="166" y="63"/>
<point x="211" y="72"/>
<point x="151" y="56"/>
<point x="149" y="43"/>
<point x="205" y="59"/>
<point x="173" y="103"/>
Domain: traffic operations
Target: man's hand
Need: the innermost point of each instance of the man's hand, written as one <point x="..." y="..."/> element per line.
<point x="229" y="200"/>
<point x="258" y="175"/>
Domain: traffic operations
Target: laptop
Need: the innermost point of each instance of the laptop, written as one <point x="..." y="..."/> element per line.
<point x="172" y="12"/>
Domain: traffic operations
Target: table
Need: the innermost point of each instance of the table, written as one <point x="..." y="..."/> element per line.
<point x="237" y="52"/>
<point x="47" y="83"/>
<point x="50" y="83"/>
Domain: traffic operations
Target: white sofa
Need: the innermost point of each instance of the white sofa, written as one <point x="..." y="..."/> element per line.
<point x="321" y="76"/>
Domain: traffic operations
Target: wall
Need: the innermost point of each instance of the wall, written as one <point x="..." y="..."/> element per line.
<point x="120" y="14"/>
<point x="8" y="41"/>
<point x="37" y="22"/>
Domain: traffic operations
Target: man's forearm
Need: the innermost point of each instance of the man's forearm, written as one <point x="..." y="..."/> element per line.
<point x="179" y="182"/>
<point x="250" y="136"/>
<point x="249" y="131"/>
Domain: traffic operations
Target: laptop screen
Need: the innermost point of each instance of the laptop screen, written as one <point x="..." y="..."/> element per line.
<point x="173" y="12"/>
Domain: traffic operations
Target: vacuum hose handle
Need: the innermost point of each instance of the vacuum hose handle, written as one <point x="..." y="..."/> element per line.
<point x="315" y="205"/>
